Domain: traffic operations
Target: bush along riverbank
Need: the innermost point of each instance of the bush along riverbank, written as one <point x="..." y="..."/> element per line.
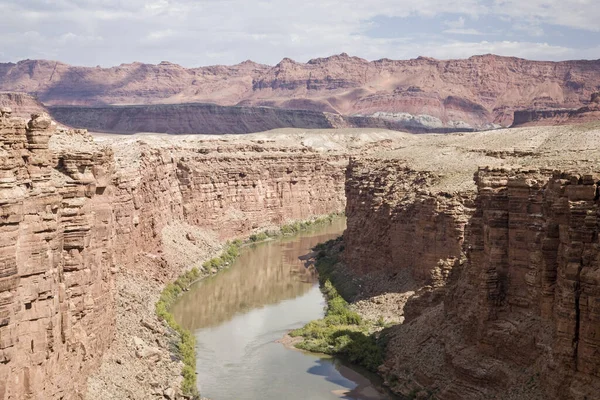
<point x="342" y="332"/>
<point x="185" y="348"/>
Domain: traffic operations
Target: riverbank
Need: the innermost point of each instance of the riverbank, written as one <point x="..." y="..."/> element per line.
<point x="140" y="363"/>
<point x="343" y="331"/>
<point x="148" y="355"/>
<point x="359" y="311"/>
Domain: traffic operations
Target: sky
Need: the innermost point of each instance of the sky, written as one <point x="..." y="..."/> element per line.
<point x="207" y="32"/>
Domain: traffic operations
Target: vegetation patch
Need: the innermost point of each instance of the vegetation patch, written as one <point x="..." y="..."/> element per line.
<point x="294" y="228"/>
<point x="186" y="347"/>
<point x="342" y="331"/>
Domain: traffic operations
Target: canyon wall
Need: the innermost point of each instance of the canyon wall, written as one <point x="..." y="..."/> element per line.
<point x="229" y="190"/>
<point x="480" y="92"/>
<point x="557" y="116"/>
<point x="589" y="113"/>
<point x="396" y="222"/>
<point x="213" y="119"/>
<point x="517" y="316"/>
<point x="76" y="214"/>
<point x="187" y="118"/>
<point x="533" y="256"/>
<point x="56" y="285"/>
<point x="20" y="104"/>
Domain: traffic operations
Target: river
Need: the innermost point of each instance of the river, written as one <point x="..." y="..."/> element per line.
<point x="239" y="314"/>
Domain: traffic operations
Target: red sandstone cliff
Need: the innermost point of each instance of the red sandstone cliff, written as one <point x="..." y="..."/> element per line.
<point x="72" y="226"/>
<point x="56" y="284"/>
<point x="470" y="93"/>
<point x="508" y="278"/>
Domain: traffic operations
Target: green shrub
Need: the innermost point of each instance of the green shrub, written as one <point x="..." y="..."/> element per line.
<point x="342" y="331"/>
<point x="299" y="226"/>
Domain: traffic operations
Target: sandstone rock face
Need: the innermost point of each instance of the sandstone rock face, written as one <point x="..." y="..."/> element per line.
<point x="231" y="191"/>
<point x="396" y="222"/>
<point x="533" y="255"/>
<point x="479" y="92"/>
<point x="56" y="293"/>
<point x="69" y="222"/>
<point x="517" y="316"/>
<point x="21" y="104"/>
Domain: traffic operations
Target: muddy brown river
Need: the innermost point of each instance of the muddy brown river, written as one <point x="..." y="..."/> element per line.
<point x="239" y="315"/>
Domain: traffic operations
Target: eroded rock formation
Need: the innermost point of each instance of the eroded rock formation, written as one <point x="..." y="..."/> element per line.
<point x="72" y="224"/>
<point x="56" y="288"/>
<point x="423" y="94"/>
<point x="505" y="271"/>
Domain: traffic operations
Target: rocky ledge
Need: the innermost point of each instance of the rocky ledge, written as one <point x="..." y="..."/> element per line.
<point x="494" y="269"/>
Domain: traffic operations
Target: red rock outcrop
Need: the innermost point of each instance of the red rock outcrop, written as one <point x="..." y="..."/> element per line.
<point x="517" y="316"/>
<point x="473" y="93"/>
<point x="56" y="289"/>
<point x="396" y="222"/>
<point x="70" y="222"/>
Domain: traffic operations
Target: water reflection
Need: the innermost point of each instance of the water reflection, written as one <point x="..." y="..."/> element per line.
<point x="238" y="315"/>
<point x="265" y="273"/>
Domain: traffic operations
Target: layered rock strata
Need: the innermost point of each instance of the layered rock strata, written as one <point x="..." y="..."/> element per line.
<point x="532" y="273"/>
<point x="56" y="285"/>
<point x="73" y="229"/>
<point x="475" y="93"/>
<point x="212" y="119"/>
<point x="230" y="190"/>
<point x="505" y="276"/>
<point x="21" y="104"/>
<point x="187" y="118"/>
<point x="396" y="221"/>
<point x="564" y="116"/>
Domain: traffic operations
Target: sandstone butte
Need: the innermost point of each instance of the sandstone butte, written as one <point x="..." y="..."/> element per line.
<point x="418" y="95"/>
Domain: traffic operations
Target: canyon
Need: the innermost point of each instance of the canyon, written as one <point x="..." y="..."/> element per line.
<point x="490" y="238"/>
<point x="92" y="228"/>
<point x="560" y="116"/>
<point x="497" y="252"/>
<point x="418" y="95"/>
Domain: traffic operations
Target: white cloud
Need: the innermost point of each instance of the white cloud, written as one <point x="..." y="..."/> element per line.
<point x="461" y="31"/>
<point x="191" y="32"/>
<point x="578" y="14"/>
<point x="70" y="38"/>
<point x="456" y="24"/>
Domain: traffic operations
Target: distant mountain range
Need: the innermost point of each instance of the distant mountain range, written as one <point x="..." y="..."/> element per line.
<point x="427" y="94"/>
